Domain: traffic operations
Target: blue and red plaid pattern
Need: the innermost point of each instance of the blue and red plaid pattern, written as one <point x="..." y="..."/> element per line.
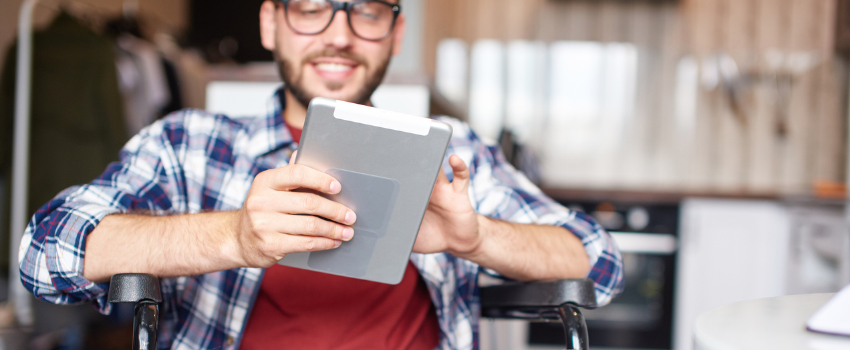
<point x="193" y="161"/>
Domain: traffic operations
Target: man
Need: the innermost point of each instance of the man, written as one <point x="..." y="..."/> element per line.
<point x="206" y="202"/>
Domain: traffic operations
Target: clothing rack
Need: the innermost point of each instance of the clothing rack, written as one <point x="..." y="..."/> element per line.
<point x="19" y="297"/>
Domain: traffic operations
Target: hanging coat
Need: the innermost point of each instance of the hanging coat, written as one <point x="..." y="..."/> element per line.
<point x="77" y="125"/>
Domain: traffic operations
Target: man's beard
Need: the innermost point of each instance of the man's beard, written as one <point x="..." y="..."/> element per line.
<point x="293" y="82"/>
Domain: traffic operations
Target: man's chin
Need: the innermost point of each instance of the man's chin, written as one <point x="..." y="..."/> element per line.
<point x="356" y="89"/>
<point x="340" y="93"/>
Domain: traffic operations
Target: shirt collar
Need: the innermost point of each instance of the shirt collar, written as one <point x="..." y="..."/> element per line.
<point x="268" y="133"/>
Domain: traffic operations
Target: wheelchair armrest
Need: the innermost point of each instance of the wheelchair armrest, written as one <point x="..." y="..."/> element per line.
<point x="536" y="300"/>
<point x="133" y="288"/>
<point x="544" y="301"/>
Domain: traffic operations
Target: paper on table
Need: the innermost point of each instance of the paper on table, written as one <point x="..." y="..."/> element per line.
<point x="834" y="316"/>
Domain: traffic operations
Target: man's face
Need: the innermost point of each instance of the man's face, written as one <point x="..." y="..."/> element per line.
<point x="335" y="63"/>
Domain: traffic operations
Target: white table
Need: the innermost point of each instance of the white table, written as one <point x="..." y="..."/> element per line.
<point x="770" y="323"/>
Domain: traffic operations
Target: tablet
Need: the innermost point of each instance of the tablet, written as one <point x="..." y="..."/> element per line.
<point x="387" y="164"/>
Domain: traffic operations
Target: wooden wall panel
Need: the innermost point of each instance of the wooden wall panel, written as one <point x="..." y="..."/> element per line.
<point x="754" y="156"/>
<point x="639" y="157"/>
<point x="794" y="145"/>
<point x="762" y="157"/>
<point x="701" y="42"/>
<point x="518" y="19"/>
<point x="732" y="28"/>
<point x="610" y="22"/>
<point x="666" y="142"/>
<point x="443" y="19"/>
<point x="737" y="143"/>
<point x="830" y="151"/>
<point x="827" y="148"/>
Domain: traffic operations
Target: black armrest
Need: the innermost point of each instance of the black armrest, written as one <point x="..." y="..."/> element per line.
<point x="142" y="289"/>
<point x="536" y="300"/>
<point x="544" y="301"/>
<point x="133" y="288"/>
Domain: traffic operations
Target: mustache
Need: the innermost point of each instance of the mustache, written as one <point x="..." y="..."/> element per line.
<point x="332" y="52"/>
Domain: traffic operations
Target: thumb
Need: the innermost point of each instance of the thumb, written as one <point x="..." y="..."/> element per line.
<point x="461" y="174"/>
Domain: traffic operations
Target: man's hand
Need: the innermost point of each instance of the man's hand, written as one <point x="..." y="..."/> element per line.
<point x="450" y="223"/>
<point x="524" y="252"/>
<point x="275" y="220"/>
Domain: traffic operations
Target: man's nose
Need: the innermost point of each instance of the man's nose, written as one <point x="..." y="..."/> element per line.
<point x="339" y="34"/>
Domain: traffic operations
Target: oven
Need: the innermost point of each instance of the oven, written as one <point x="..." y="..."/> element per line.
<point x="641" y="317"/>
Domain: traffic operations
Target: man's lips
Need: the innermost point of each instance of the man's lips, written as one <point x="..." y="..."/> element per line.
<point x="334" y="68"/>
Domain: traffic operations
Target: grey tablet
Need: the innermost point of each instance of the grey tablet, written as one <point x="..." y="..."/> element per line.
<point x="387" y="163"/>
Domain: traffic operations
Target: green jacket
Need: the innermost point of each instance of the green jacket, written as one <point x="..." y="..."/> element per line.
<point x="77" y="124"/>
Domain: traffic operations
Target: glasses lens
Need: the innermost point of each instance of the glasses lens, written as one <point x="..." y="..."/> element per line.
<point x="309" y="16"/>
<point x="372" y="20"/>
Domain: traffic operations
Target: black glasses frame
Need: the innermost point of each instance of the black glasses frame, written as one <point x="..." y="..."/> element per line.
<point x="345" y="6"/>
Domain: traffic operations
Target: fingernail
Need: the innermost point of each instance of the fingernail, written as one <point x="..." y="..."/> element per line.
<point x="347" y="233"/>
<point x="335" y="186"/>
<point x="350" y="217"/>
<point x="337" y="243"/>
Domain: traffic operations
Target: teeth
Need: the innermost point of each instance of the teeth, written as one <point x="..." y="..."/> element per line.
<point x="333" y="67"/>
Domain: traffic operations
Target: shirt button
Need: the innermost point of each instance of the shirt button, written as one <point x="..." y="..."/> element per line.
<point x="229" y="341"/>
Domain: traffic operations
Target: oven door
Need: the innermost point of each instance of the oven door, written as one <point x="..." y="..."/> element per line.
<point x="640" y="317"/>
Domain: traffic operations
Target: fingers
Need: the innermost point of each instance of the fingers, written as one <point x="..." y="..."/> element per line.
<point x="298" y="176"/>
<point x="309" y="244"/>
<point x="305" y="225"/>
<point x="299" y="203"/>
<point x="270" y="250"/>
<point x="461" y="173"/>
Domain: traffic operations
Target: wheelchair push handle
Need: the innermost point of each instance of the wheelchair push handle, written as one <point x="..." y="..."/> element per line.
<point x="143" y="290"/>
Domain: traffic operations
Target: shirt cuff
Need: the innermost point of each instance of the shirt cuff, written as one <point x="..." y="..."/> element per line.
<point x="62" y="257"/>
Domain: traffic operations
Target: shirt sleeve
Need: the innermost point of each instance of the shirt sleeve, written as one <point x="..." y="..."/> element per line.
<point x="500" y="191"/>
<point x="52" y="251"/>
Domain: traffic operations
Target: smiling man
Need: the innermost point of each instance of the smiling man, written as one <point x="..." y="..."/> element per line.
<point x="207" y="203"/>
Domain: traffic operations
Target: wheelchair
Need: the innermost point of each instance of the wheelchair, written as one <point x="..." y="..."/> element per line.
<point x="554" y="301"/>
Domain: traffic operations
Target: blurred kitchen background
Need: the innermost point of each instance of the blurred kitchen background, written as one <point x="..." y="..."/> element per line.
<point x="709" y="136"/>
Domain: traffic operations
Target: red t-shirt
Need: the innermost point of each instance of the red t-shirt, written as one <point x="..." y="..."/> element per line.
<point x="301" y="309"/>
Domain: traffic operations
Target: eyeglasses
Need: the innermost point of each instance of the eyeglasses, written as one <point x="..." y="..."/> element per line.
<point x="368" y="19"/>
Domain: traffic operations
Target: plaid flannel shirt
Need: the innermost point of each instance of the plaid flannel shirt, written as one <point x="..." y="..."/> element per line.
<point x="194" y="161"/>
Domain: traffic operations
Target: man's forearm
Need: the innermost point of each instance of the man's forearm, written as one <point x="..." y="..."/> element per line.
<point x="529" y="252"/>
<point x="273" y="221"/>
<point x="166" y="246"/>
